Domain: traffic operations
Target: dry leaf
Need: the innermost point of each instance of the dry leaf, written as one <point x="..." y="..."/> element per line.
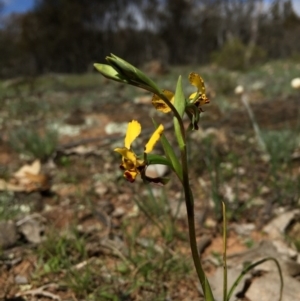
<point x="28" y="178"/>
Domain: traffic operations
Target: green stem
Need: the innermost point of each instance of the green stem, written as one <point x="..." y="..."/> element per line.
<point x="224" y="252"/>
<point x="189" y="201"/>
<point x="175" y="112"/>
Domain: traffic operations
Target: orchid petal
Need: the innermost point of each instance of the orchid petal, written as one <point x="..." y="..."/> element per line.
<point x="197" y="81"/>
<point x="153" y="139"/>
<point x="127" y="154"/>
<point x="160" y="104"/>
<point x="133" y="130"/>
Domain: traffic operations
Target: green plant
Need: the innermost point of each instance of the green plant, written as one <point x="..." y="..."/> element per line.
<point x="81" y="280"/>
<point x="34" y="144"/>
<point x="223" y="82"/>
<point x="134" y="165"/>
<point x="280" y="144"/>
<point x="9" y="208"/>
<point x="232" y="55"/>
<point x="59" y="252"/>
<point x="148" y="262"/>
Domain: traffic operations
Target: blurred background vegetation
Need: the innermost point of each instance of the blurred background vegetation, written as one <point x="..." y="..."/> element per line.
<point x="67" y="36"/>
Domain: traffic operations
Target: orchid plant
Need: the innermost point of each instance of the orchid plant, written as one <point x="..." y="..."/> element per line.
<point x="133" y="165"/>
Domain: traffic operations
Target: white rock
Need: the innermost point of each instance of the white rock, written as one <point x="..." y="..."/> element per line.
<point x="21" y="280"/>
<point x="239" y="90"/>
<point x="276" y="228"/>
<point x="134" y="212"/>
<point x="118" y="212"/>
<point x="100" y="188"/>
<point x="114" y="127"/>
<point x="282" y="248"/>
<point x="244" y="229"/>
<point x="229" y="193"/>
<point x="143" y="99"/>
<point x="156" y="170"/>
<point x="295" y="83"/>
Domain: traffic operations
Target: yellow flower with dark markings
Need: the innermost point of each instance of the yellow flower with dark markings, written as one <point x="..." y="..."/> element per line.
<point x="197" y="98"/>
<point x="131" y="163"/>
<point x="160" y="104"/>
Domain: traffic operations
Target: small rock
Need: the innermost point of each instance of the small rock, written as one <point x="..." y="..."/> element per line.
<point x="118" y="212"/>
<point x="276" y="228"/>
<point x="282" y="248"/>
<point x="142" y="99"/>
<point x="100" y="188"/>
<point x="156" y="170"/>
<point x="216" y="279"/>
<point x="295" y="83"/>
<point x="134" y="212"/>
<point x="116" y="128"/>
<point x="239" y="90"/>
<point x="65" y="129"/>
<point x="241" y="171"/>
<point x="229" y="194"/>
<point x="258" y="201"/>
<point x="210" y="223"/>
<point x="21" y="280"/>
<point x="267" y="288"/>
<point x="32" y="228"/>
<point x="243" y="229"/>
<point x="89" y="228"/>
<point x="24" y="208"/>
<point x="264" y="190"/>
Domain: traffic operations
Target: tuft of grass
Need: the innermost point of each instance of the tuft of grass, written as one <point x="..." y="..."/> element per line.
<point x="61" y="252"/>
<point x="158" y="210"/>
<point x="280" y="144"/>
<point x="150" y="263"/>
<point x="9" y="209"/>
<point x="30" y="142"/>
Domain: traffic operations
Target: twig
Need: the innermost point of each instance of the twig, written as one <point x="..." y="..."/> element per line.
<point x="40" y="292"/>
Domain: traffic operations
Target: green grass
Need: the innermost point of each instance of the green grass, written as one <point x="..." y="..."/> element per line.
<point x="144" y="259"/>
<point x="30" y="142"/>
<point x="61" y="252"/>
<point x="9" y="206"/>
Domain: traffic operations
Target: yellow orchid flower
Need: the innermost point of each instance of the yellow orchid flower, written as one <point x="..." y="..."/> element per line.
<point x="131" y="164"/>
<point x="198" y="98"/>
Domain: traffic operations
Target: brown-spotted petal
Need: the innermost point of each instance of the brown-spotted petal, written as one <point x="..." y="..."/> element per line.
<point x="159" y="104"/>
<point x="197" y="81"/>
